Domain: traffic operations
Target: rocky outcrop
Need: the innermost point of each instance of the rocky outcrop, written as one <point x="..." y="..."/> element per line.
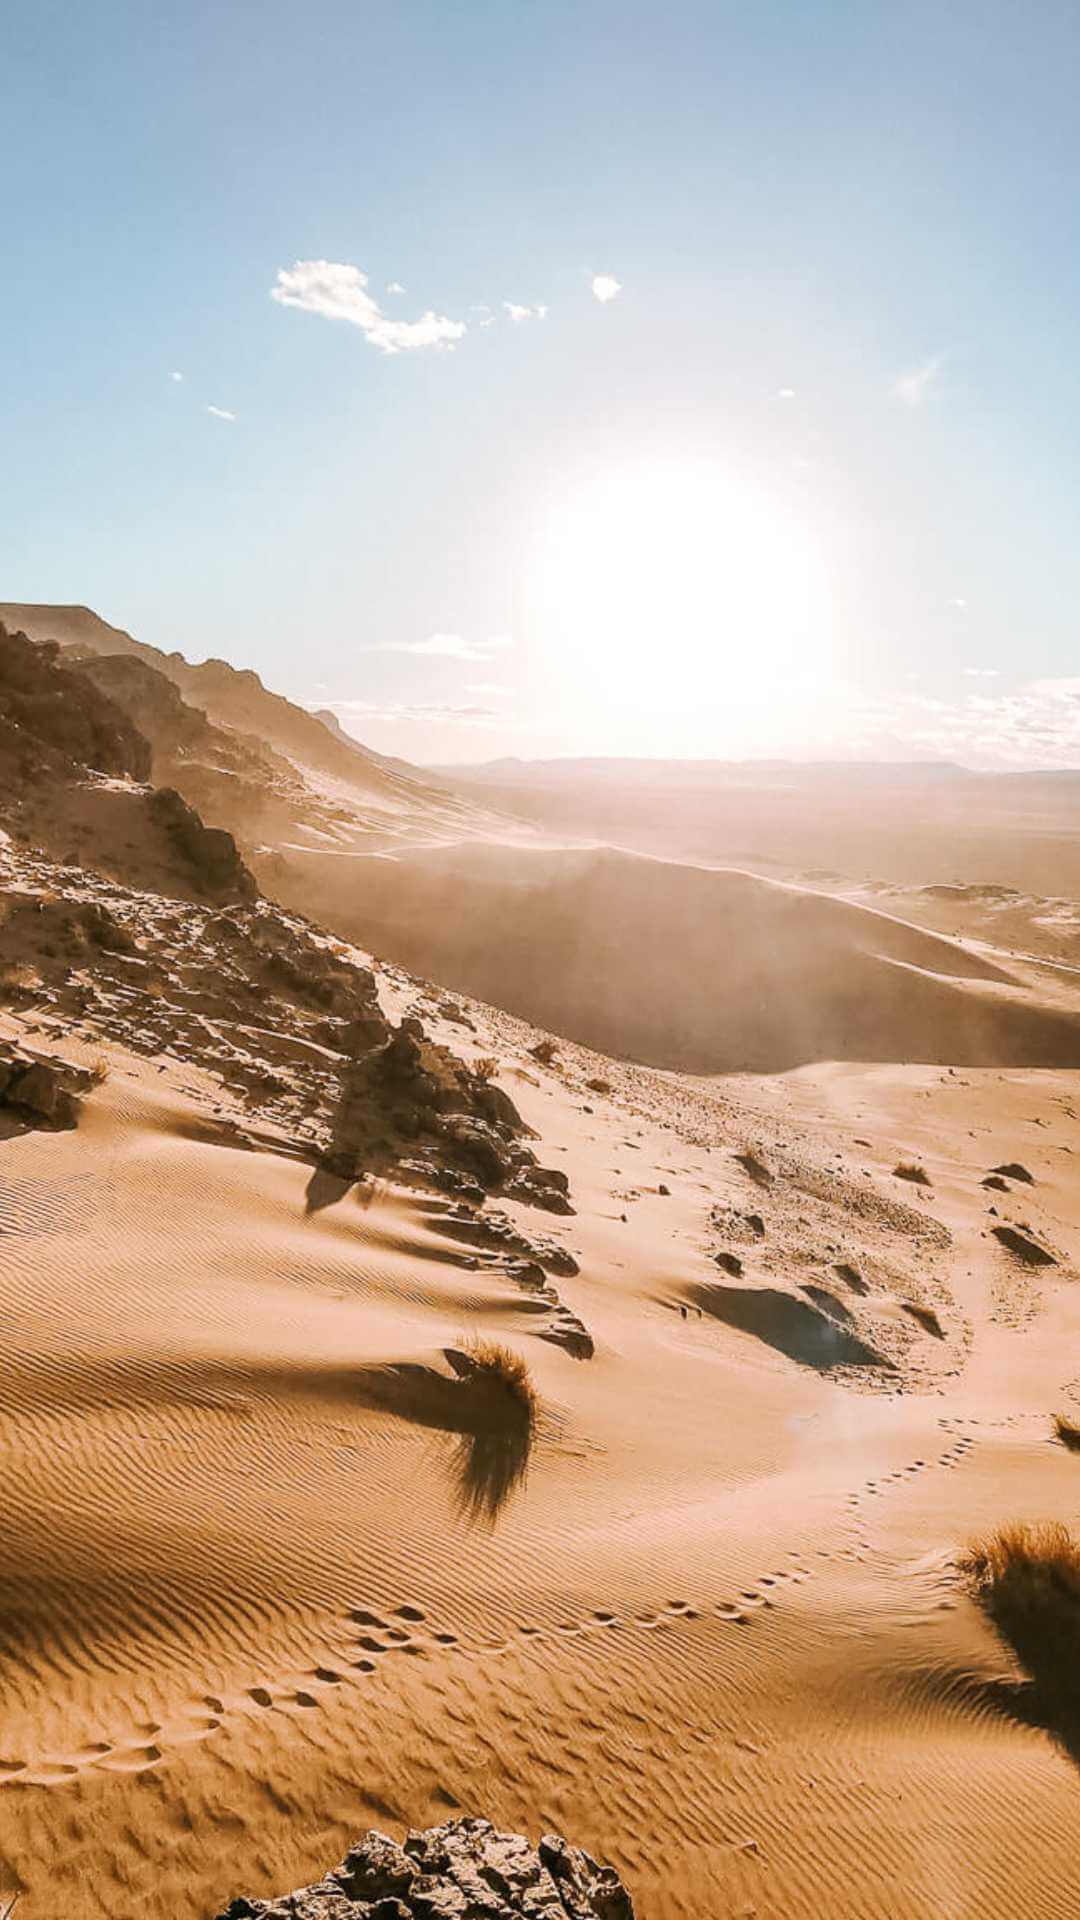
<point x="49" y="706"/>
<point x="210" y="853"/>
<point x="39" y="1092"/>
<point x="465" y="1870"/>
<point x="408" y="1102"/>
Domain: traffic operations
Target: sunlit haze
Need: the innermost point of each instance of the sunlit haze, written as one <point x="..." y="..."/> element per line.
<point x="558" y="380"/>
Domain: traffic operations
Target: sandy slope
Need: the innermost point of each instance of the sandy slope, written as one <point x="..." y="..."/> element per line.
<point x="690" y="967"/>
<point x="716" y="1636"/>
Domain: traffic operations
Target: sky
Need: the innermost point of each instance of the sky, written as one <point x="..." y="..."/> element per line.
<point x="560" y="378"/>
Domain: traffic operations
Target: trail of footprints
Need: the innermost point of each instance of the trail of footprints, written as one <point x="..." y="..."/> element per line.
<point x="404" y="1630"/>
<point x="876" y="1489"/>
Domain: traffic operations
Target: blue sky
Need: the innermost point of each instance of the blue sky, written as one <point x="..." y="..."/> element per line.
<point x="846" y="327"/>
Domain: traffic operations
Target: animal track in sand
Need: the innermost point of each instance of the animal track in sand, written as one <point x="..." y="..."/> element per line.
<point x="877" y="1488"/>
<point x="394" y="1631"/>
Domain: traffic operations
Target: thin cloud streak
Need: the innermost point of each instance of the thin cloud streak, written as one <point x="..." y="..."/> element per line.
<point x="913" y="387"/>
<point x="445" y="646"/>
<point x="338" y="291"/>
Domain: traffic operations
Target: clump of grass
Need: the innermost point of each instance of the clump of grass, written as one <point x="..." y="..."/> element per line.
<point x="1067" y="1431"/>
<point x="98" y="1070"/>
<point x="598" y="1084"/>
<point x="911" y="1170"/>
<point x="1022" y="1560"/>
<point x="486" y="1067"/>
<point x="499" y="1375"/>
<point x="545" y="1051"/>
<point x="500" y="1424"/>
<point x="1027" y="1579"/>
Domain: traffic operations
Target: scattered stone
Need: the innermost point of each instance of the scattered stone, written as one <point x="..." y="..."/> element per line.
<point x="1014" y="1171"/>
<point x="465" y="1870"/>
<point x="730" y="1263"/>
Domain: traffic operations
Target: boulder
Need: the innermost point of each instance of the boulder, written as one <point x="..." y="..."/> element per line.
<point x="464" y="1870"/>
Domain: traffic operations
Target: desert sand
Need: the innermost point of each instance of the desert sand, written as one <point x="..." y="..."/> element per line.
<point x="260" y="1585"/>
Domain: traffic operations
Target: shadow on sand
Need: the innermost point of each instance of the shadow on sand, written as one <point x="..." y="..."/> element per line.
<point x="494" y="1433"/>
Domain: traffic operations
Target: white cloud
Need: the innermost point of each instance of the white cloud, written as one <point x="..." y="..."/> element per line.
<point x="394" y="286"/>
<point x="447" y="646"/>
<point x="1035" y="725"/>
<point x="785" y="393"/>
<point x="605" y="287"/>
<point x="518" y="313"/>
<point x="912" y="387"/>
<point x="958" y="603"/>
<point x="176" y="376"/>
<point x="982" y="673"/>
<point x="339" y="292"/>
<point x="221" y="413"/>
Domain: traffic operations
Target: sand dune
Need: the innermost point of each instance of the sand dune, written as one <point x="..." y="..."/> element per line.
<point x="275" y="1568"/>
<point x="692" y="968"/>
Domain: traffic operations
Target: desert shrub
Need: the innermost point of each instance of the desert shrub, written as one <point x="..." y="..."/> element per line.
<point x="499" y="1412"/>
<point x="98" y="1070"/>
<point x="1027" y="1579"/>
<point x="598" y="1084"/>
<point x="500" y="1377"/>
<point x="486" y="1067"/>
<point x="911" y="1170"/>
<point x="1067" y="1431"/>
<point x="545" y="1051"/>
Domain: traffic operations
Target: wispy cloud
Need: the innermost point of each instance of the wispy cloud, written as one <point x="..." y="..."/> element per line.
<point x="441" y="715"/>
<point x="519" y="313"/>
<point x="785" y="393"/>
<point x="175" y="376"/>
<point x="982" y="673"/>
<point x="394" y="286"/>
<point x="338" y="291"/>
<point x="913" y="386"/>
<point x="1035" y="725"/>
<point x="605" y="287"/>
<point x="221" y="413"/>
<point x="446" y="646"/>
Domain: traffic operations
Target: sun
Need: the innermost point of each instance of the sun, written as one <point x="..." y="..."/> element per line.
<point x="671" y="590"/>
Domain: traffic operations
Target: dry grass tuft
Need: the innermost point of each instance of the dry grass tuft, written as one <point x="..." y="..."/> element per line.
<point x="911" y="1170"/>
<point x="503" y="1411"/>
<point x="498" y="1371"/>
<point x="546" y="1051"/>
<point x="1027" y="1578"/>
<point x="98" y="1070"/>
<point x="1067" y="1431"/>
<point x="486" y="1067"/>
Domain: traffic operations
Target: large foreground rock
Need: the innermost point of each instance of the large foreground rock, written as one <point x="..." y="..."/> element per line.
<point x="464" y="1870"/>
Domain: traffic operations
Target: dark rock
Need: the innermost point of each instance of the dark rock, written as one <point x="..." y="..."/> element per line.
<point x="1024" y="1247"/>
<point x="62" y="710"/>
<point x="210" y="852"/>
<point x="497" y="1107"/>
<point x="730" y="1263"/>
<point x="465" y="1870"/>
<point x="1014" y="1171"/>
<point x="546" y="1187"/>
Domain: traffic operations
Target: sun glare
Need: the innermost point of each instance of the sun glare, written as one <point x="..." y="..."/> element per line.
<point x="672" y="590"/>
